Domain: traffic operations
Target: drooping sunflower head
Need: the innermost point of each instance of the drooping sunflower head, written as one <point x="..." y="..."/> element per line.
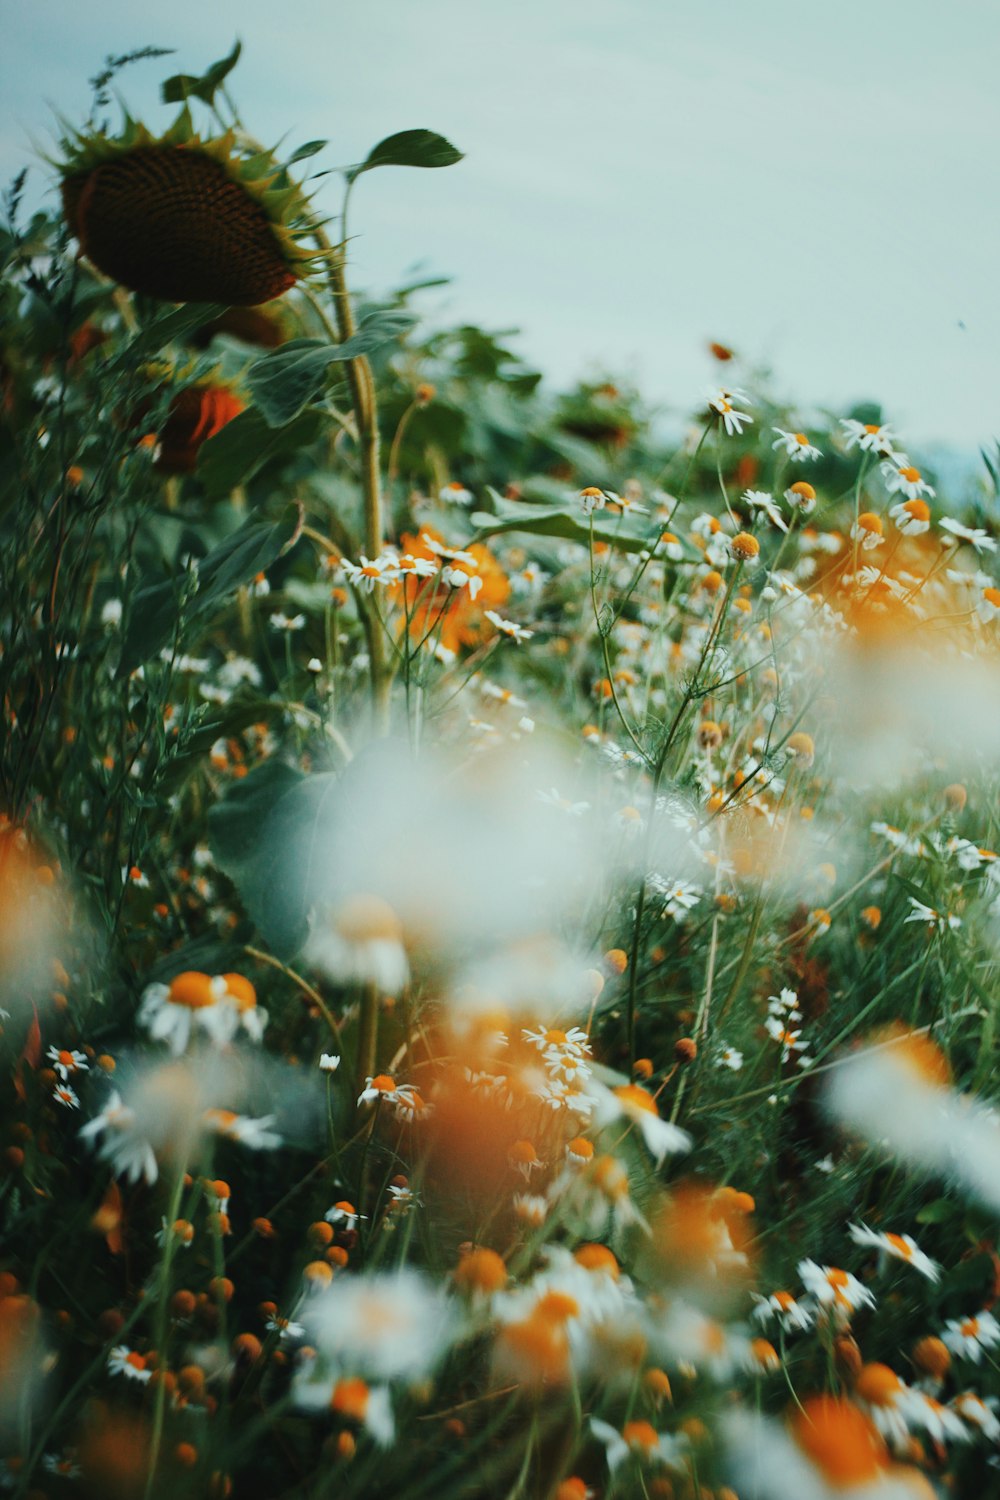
<point x="185" y="218"/>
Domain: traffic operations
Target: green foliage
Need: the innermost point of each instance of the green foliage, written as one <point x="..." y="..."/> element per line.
<point x="204" y="87"/>
<point x="286" y="381"/>
<point x="408" y="148"/>
<point x="159" y="604"/>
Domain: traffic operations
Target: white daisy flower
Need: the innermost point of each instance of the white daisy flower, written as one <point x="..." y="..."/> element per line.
<point x="795" y="444"/>
<point x="970" y="1337"/>
<point x="455" y="494"/>
<point x="904" y="479"/>
<point x="761" y="500"/>
<point x="899" y="1246"/>
<point x="974" y="535"/>
<point x="870" y="437"/>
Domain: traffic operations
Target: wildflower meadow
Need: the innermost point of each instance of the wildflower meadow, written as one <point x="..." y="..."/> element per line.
<point x="499" y="908"/>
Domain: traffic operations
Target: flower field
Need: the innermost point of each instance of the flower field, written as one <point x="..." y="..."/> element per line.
<point x="499" y="907"/>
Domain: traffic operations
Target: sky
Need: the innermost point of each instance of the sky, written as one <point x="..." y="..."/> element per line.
<point x="813" y="185"/>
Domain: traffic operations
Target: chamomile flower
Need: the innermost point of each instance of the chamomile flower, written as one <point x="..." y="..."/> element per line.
<point x="730" y="1057"/>
<point x="974" y="535"/>
<point x="978" y="1413"/>
<point x="344" y="1215"/>
<point x="592" y="498"/>
<point x="795" y="444"/>
<point x="254" y="1133"/>
<point x="360" y="940"/>
<point x="899" y="1246"/>
<point x="509" y="628"/>
<point x="971" y="1337"/>
<point x="801" y="497"/>
<point x="66" y="1062"/>
<point x="887" y="1401"/>
<point x="370" y="572"/>
<point x="455" y="494"/>
<point x="678" y="896"/>
<point x="531" y="1208"/>
<point x="943" y="921"/>
<point x="461" y="578"/>
<point x="788" y="1039"/>
<point x="201" y="1006"/>
<point x="762" y="500"/>
<point x="988" y="606"/>
<point x="124" y="1144"/>
<point x="834" y="1290"/>
<point x="638" y="1440"/>
<point x="633" y="1103"/>
<point x="128" y="1362"/>
<point x="870" y="437"/>
<point x="383" y="1086"/>
<point x="285" y="1328"/>
<point x="904" y="479"/>
<point x="867" y="531"/>
<point x="671" y="546"/>
<point x="390" y="1325"/>
<point x="574" y="1042"/>
<point x="723" y="403"/>
<point x="912" y="517"/>
<point x="783" y="1308"/>
<point x="328" y="1062"/>
<point x="64" y="1095"/>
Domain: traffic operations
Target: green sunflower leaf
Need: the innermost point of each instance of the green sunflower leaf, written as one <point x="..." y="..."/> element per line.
<point x="409" y="148"/>
<point x="185" y="85"/>
<point x="285" y="382"/>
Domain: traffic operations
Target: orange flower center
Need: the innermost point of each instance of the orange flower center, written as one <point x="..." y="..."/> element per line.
<point x="878" y="1385"/>
<point x="350" y="1399"/>
<point x="633" y="1097"/>
<point x="557" y="1307"/>
<point x="640" y="1435"/>
<point x="596" y="1258"/>
<point x="192" y="989"/>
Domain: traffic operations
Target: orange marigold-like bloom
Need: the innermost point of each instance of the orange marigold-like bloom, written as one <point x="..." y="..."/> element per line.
<point x="452" y="615"/>
<point x="196" y="413"/>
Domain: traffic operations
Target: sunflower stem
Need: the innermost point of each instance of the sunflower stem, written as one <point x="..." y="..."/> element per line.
<point x="365" y="404"/>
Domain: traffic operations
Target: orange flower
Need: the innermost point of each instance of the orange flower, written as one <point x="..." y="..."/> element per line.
<point x="196" y="414"/>
<point x="454" y="613"/>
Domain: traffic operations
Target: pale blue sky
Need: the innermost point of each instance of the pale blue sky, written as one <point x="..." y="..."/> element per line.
<point x="814" y="184"/>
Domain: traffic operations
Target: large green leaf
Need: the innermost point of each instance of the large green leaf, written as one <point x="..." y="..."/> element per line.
<point x="244" y="445"/>
<point x="186" y="86"/>
<point x="409" y="148"/>
<point x="263" y="837"/>
<point x="238" y="559"/>
<point x="560" y="520"/>
<point x="286" y="381"/>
